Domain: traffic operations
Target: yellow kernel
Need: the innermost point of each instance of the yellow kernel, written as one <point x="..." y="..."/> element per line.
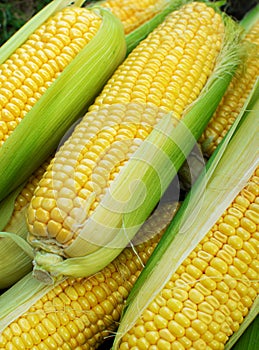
<point x="195" y="296"/>
<point x="187" y="343"/>
<point x="204" y="317"/>
<point x="166" y="335"/>
<point x="193" y="271"/>
<point x="163" y="345"/>
<point x="166" y="313"/>
<point x="182" y="319"/>
<point x="248" y="225"/>
<point x="210" y="248"/>
<point x="142" y="344"/>
<point x="180" y="294"/>
<point x="176" y="329"/>
<point x="192" y="334"/>
<point x="152" y="337"/>
<point x="248" y="247"/>
<point x="189" y="313"/>
<point x="235" y="241"/>
<point x="214" y="274"/>
<point x="234" y="272"/>
<point x="212" y="301"/>
<point x="175" y="305"/>
<point x="221" y="296"/>
<point x="242" y="233"/>
<point x="160" y="322"/>
<point x="200" y="264"/>
<point x="226" y="229"/>
<point x="199" y="344"/>
<point x="219" y="265"/>
<point x="208" y="283"/>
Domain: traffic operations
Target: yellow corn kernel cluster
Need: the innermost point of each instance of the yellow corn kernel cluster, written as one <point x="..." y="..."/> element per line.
<point x="166" y="72"/>
<point x="80" y="313"/>
<point x="234" y="98"/>
<point x="132" y="13"/>
<point x="207" y="298"/>
<point x="31" y="69"/>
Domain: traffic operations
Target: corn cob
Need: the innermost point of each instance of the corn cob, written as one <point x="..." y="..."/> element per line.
<point x="48" y="76"/>
<point x="80" y="313"/>
<point x="236" y="94"/>
<point x="199" y="287"/>
<point x="15" y="263"/>
<point x="166" y="72"/>
<point x="207" y="298"/>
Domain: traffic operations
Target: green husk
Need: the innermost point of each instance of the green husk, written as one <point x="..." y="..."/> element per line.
<point x="67" y="99"/>
<point x="174" y="143"/>
<point x="28" y="28"/>
<point x="250" y="18"/>
<point x="16" y="254"/>
<point x="233" y="163"/>
<point x="7" y="207"/>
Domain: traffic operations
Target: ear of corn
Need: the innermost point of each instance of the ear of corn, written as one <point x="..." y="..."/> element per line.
<point x="78" y="312"/>
<point x="73" y="226"/>
<point x="238" y="90"/>
<point x="197" y="285"/>
<point x="46" y="103"/>
<point x="15" y="262"/>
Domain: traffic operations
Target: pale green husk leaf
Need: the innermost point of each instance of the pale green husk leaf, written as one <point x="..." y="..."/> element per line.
<point x="16" y="254"/>
<point x="7" y="207"/>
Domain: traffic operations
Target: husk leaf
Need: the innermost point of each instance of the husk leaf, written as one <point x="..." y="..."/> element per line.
<point x="16" y="261"/>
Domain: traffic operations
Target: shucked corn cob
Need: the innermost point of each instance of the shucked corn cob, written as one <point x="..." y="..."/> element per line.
<point x="235" y="97"/>
<point x="15" y="263"/>
<point x="134" y="13"/>
<point x="45" y="84"/>
<point x="80" y="313"/>
<point x="202" y="279"/>
<point x="166" y="72"/>
<point x="207" y="298"/>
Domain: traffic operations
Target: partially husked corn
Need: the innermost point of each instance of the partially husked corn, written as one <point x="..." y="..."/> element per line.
<point x="30" y="70"/>
<point x="235" y="96"/>
<point x="80" y="313"/>
<point x="166" y="72"/>
<point x="134" y="13"/>
<point x="207" y="298"/>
